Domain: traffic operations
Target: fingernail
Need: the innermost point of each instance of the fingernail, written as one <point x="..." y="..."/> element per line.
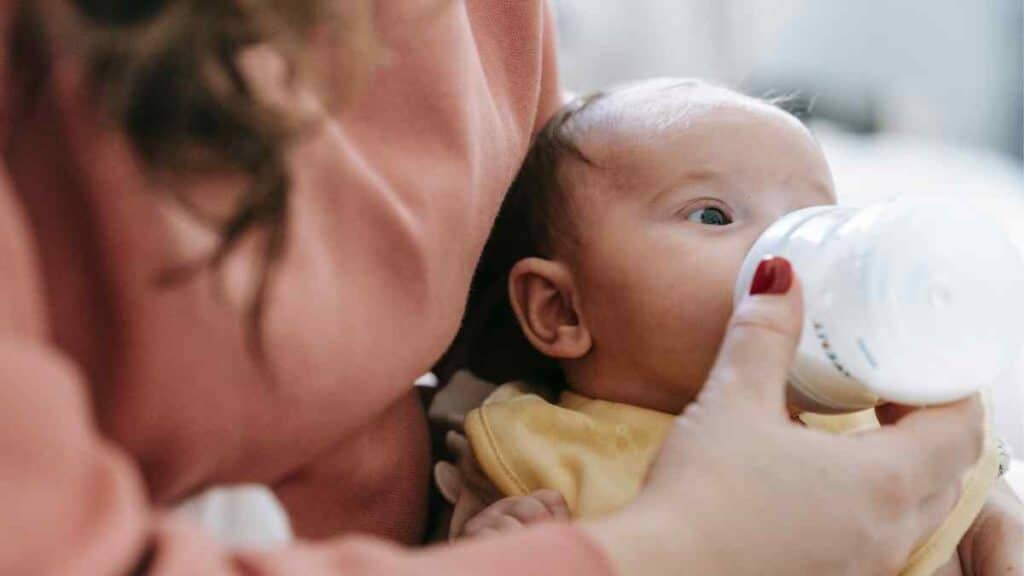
<point x="774" y="276"/>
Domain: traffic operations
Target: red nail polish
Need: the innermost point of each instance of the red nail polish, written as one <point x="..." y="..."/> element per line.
<point x="774" y="276"/>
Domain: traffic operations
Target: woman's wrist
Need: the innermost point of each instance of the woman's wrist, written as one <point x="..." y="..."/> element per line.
<point x="638" y="543"/>
<point x="609" y="535"/>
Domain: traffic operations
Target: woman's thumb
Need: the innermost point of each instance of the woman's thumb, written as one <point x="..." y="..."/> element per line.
<point x="761" y="339"/>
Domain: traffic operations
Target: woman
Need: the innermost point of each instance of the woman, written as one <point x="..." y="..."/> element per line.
<point x="212" y="277"/>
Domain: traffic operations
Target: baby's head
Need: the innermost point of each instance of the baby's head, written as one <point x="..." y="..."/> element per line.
<point x="635" y="208"/>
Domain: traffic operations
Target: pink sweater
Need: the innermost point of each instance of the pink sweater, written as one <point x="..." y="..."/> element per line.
<point x="118" y="397"/>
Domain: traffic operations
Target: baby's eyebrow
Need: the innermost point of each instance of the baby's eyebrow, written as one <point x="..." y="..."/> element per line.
<point x="686" y="178"/>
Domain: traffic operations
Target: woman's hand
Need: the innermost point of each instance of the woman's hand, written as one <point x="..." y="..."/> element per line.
<point x="995" y="542"/>
<point x="740" y="489"/>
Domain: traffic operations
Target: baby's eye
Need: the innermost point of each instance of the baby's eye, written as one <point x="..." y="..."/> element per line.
<point x="710" y="216"/>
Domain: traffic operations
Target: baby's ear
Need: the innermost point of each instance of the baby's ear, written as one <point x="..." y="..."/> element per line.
<point x="544" y="298"/>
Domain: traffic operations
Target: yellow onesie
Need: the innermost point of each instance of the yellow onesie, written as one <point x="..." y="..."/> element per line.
<point x="597" y="454"/>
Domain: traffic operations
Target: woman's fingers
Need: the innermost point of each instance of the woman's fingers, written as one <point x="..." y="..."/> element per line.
<point x="934" y="445"/>
<point x="935" y="510"/>
<point x="761" y="341"/>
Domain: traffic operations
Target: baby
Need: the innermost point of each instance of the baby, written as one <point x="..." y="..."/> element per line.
<point x="617" y="250"/>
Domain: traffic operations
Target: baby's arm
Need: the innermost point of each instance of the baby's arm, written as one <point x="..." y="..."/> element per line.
<point x="994" y="545"/>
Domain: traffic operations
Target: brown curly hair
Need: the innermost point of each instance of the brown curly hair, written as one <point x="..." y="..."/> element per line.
<point x="167" y="73"/>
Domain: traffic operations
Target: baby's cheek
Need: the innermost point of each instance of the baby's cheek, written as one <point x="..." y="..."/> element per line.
<point x="664" y="311"/>
<point x="687" y="338"/>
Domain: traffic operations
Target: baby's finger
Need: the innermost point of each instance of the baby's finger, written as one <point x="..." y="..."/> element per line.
<point x="457" y="444"/>
<point x="555" y="503"/>
<point x="482" y="532"/>
<point x="528" y="510"/>
<point x="492" y="523"/>
<point x="448" y="481"/>
<point x="482" y="521"/>
<point x="509" y="524"/>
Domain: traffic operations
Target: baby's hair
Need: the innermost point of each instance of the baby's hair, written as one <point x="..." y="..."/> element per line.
<point x="534" y="220"/>
<point x="537" y="202"/>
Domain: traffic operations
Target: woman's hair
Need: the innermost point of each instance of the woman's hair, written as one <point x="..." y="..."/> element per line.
<point x="168" y="74"/>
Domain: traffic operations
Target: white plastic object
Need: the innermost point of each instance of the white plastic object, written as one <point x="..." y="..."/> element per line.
<point x="913" y="301"/>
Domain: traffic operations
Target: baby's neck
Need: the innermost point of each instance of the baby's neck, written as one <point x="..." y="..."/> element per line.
<point x="634" y="392"/>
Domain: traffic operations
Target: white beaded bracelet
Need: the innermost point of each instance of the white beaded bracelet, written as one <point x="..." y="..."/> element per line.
<point x="1005" y="456"/>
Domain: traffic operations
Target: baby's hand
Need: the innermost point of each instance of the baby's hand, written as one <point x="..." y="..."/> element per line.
<point x="515" y="512"/>
<point x="994" y="545"/>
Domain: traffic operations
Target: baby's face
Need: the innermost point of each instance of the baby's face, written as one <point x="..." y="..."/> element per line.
<point x="685" y="180"/>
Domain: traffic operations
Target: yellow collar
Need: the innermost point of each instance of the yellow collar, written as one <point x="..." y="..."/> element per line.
<point x="595" y="453"/>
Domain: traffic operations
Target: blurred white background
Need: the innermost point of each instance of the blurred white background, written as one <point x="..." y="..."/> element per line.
<point x="922" y="97"/>
<point x="942" y="69"/>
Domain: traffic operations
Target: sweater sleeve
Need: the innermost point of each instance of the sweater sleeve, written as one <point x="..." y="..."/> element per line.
<point x="550" y="85"/>
<point x="72" y="504"/>
<point x="544" y="550"/>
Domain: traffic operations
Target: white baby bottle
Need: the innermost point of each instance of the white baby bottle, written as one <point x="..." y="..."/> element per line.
<point x="911" y="301"/>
